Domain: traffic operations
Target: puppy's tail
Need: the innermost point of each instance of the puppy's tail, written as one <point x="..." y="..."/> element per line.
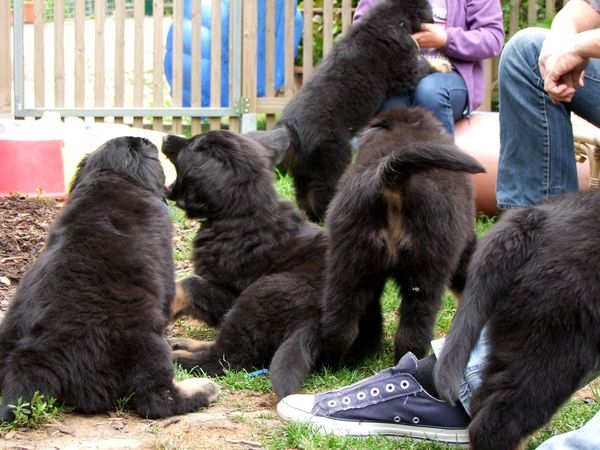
<point x="414" y="158"/>
<point x="293" y="361"/>
<point x="493" y="268"/>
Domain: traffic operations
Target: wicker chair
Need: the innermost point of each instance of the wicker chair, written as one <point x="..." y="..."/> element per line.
<point x="587" y="146"/>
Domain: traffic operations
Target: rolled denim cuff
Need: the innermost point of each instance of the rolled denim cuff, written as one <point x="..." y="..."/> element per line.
<point x="473" y="372"/>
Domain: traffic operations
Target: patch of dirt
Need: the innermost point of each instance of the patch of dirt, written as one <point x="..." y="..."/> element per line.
<point x="237" y="421"/>
<point x="24" y="225"/>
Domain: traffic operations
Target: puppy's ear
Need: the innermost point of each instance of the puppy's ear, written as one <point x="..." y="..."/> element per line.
<point x="400" y="165"/>
<point x="276" y="142"/>
<point x="172" y="145"/>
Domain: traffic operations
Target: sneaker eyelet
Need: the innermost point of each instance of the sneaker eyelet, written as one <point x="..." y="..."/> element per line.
<point x="375" y="392"/>
<point x="390" y="387"/>
<point x="404" y="384"/>
<point x="331" y="403"/>
<point x="361" y="396"/>
<point x="416" y="420"/>
<point x="397" y="419"/>
<point x="346" y="400"/>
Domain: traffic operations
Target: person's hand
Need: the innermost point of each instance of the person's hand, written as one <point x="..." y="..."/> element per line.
<point x="431" y="36"/>
<point x="561" y="68"/>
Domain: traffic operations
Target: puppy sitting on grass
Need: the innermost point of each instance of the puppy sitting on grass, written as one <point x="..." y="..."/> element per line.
<point x="258" y="262"/>
<point x="86" y="323"/>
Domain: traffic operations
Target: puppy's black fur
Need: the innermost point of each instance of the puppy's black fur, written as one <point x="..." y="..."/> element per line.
<point x="86" y="323"/>
<point x="404" y="211"/>
<point x="259" y="262"/>
<point x="345" y="92"/>
<point x="534" y="281"/>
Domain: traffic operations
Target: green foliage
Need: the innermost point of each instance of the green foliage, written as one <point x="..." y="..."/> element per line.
<point x="32" y="414"/>
<point x="483" y="224"/>
<point x="317" y="29"/>
<point x="124" y="403"/>
<point x="284" y="185"/>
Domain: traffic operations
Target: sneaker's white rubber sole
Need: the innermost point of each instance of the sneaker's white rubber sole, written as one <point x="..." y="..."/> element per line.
<point x="341" y="427"/>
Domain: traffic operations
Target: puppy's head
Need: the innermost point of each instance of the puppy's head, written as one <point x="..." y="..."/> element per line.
<point x="405" y="141"/>
<point x="418" y="12"/>
<point x="221" y="173"/>
<point x="408" y="14"/>
<point x="401" y="126"/>
<point x="134" y="156"/>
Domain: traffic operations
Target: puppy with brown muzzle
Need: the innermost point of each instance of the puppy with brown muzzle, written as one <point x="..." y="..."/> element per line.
<point x="86" y="323"/>
<point x="405" y="211"/>
<point x="258" y="262"/>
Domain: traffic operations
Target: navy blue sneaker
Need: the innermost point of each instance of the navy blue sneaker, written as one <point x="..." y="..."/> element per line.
<point x="390" y="403"/>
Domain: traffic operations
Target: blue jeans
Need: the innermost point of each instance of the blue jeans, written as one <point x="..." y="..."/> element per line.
<point x="444" y="94"/>
<point x="536" y="137"/>
<point x="473" y="372"/>
<point x="584" y="438"/>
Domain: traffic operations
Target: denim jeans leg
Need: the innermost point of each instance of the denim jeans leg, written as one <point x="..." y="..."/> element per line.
<point x="445" y="95"/>
<point x="395" y="101"/>
<point x="473" y="372"/>
<point x="584" y="438"/>
<point x="536" y="137"/>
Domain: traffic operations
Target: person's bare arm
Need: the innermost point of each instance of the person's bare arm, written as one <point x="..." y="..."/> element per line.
<point x="573" y="39"/>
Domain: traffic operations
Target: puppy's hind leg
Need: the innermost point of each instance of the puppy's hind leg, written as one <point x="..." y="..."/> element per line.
<point x="197" y="297"/>
<point x="188" y="344"/>
<point x="205" y="359"/>
<point x="459" y="278"/>
<point x="421" y="300"/>
<point x="156" y="394"/>
<point x="346" y="299"/>
<point x="370" y="335"/>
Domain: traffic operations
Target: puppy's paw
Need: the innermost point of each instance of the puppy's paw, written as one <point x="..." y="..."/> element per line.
<point x="191" y="345"/>
<point x="195" y="387"/>
<point x="187" y="360"/>
<point x="6" y="414"/>
<point x="440" y="64"/>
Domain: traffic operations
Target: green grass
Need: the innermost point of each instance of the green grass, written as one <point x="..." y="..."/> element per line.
<point x="284" y="184"/>
<point x="305" y="437"/>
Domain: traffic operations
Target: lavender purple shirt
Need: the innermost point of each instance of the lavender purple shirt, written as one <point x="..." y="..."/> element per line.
<point x="475" y="32"/>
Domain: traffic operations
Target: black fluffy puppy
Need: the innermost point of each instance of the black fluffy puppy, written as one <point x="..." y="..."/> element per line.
<point x="86" y="323"/>
<point x="259" y="262"/>
<point x="534" y="281"/>
<point x="345" y="92"/>
<point x="404" y="211"/>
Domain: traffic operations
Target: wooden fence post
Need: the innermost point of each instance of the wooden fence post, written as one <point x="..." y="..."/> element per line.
<point x="249" y="49"/>
<point x="6" y="67"/>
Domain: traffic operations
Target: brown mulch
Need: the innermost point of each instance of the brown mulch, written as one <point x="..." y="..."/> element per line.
<point x="24" y="224"/>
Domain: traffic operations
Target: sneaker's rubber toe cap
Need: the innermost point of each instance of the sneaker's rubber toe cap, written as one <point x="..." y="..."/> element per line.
<point x="296" y="407"/>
